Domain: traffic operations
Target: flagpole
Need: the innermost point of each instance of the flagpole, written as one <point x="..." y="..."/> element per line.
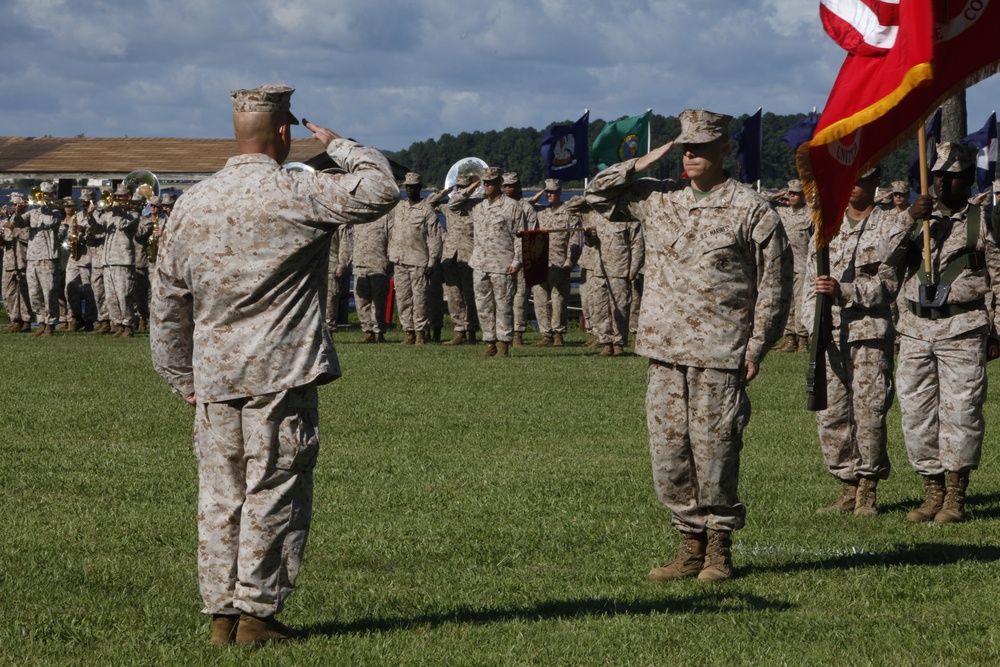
<point x="586" y="179"/>
<point x="922" y="147"/>
<point x="649" y="131"/>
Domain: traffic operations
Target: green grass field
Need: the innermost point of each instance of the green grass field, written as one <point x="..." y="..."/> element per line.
<point x="469" y="512"/>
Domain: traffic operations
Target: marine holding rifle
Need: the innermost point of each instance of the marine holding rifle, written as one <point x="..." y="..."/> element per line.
<point x="862" y="286"/>
<point x="718" y="286"/>
<point x="948" y="331"/>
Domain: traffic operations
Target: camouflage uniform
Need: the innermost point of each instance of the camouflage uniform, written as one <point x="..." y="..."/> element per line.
<point x="618" y="255"/>
<point x="79" y="289"/>
<point x="551" y="296"/>
<point x="798" y="226"/>
<point x="718" y="278"/>
<point x="141" y="242"/>
<point x="120" y="229"/>
<point x="520" y="286"/>
<point x="15" y="277"/>
<point x="457" y="251"/>
<point x="496" y="249"/>
<point x="942" y="352"/>
<point x="370" y="256"/>
<point x="414" y="249"/>
<point x="852" y="429"/>
<point x="43" y="261"/>
<point x="238" y="322"/>
<point x="95" y="248"/>
<point x="340" y="260"/>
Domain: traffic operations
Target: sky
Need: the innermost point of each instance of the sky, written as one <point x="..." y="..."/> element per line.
<point x="392" y="72"/>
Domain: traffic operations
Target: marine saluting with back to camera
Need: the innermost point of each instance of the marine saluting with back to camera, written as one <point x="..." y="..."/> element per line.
<point x="238" y="331"/>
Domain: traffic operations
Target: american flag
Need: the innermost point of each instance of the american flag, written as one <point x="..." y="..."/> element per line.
<point x="862" y="27"/>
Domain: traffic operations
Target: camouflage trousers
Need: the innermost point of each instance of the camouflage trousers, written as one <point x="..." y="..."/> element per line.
<point x="696" y="418"/>
<point x="15" y="296"/>
<point x="371" y="291"/>
<point x="44" y="289"/>
<point x="550" y="301"/>
<point x="80" y="292"/>
<point x="520" y="302"/>
<point x="794" y="324"/>
<point x="494" y="304"/>
<point x="119" y="291"/>
<point x="412" y="290"/>
<point x="633" y="319"/>
<point x="852" y="430"/>
<point x="435" y="297"/>
<point x="255" y="481"/>
<point x="461" y="296"/>
<point x="942" y="388"/>
<point x="611" y="305"/>
<point x="100" y="294"/>
<point x="585" y="309"/>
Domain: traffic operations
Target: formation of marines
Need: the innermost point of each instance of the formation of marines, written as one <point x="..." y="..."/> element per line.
<point x="80" y="265"/>
<point x="708" y="274"/>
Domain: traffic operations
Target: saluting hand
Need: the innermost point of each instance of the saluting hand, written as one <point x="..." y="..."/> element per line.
<point x="320" y="134"/>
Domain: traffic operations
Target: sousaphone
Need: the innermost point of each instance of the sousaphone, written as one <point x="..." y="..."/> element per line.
<point x="467" y="166"/>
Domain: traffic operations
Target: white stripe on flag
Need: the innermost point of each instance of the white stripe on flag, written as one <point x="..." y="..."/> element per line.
<point x="865" y="21"/>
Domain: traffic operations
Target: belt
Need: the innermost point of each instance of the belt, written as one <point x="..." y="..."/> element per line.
<point x="947" y="310"/>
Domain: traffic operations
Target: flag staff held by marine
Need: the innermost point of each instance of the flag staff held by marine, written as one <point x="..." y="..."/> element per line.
<point x="903" y="60"/>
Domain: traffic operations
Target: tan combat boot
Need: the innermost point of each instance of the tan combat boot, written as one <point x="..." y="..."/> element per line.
<point x="688" y="562"/>
<point x="25" y="327"/>
<point x="953" y="507"/>
<point x="144" y="325"/>
<point x="369" y="337"/>
<point x="619" y="350"/>
<point x="864" y="504"/>
<point x="410" y="338"/>
<point x="845" y="501"/>
<point x="787" y="344"/>
<point x="459" y="339"/>
<point x="223" y="629"/>
<point x="421" y="338"/>
<point x="490" y="351"/>
<point x="933" y="500"/>
<point x="546" y="341"/>
<point x="803" y="342"/>
<point x="502" y="349"/>
<point x="37" y="332"/>
<point x="718" y="557"/>
<point x="254" y="630"/>
<point x="518" y="339"/>
<point x="12" y="327"/>
<point x="592" y="341"/>
<point x="46" y="330"/>
<point x="607" y="350"/>
<point x="126" y="332"/>
<point x="557" y="340"/>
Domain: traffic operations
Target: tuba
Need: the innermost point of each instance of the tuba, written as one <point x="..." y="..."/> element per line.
<point x="468" y="166"/>
<point x="144" y="184"/>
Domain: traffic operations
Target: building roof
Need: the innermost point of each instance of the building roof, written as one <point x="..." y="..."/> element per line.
<point x="170" y="159"/>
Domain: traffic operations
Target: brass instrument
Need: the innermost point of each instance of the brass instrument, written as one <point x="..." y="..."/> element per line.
<point x="153" y="244"/>
<point x="74" y="240"/>
<point x="469" y="166"/>
<point x="106" y="201"/>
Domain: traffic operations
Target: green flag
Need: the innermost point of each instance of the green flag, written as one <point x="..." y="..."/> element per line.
<point x="621" y="140"/>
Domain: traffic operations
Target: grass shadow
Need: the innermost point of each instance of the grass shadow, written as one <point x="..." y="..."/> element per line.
<point x="931" y="553"/>
<point x="705" y="603"/>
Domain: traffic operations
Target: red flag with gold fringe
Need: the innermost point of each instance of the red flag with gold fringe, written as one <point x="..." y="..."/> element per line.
<point x="905" y="58"/>
<point x="535" y="256"/>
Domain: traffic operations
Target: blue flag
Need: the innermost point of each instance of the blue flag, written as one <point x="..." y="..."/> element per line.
<point x="986" y="161"/>
<point x="933" y="129"/>
<point x="801" y="132"/>
<point x="564" y="148"/>
<point x="748" y="148"/>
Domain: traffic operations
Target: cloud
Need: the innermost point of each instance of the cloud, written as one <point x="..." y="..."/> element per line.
<point x="391" y="72"/>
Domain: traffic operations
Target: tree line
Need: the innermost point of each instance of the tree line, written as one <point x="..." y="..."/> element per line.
<point x="518" y="149"/>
